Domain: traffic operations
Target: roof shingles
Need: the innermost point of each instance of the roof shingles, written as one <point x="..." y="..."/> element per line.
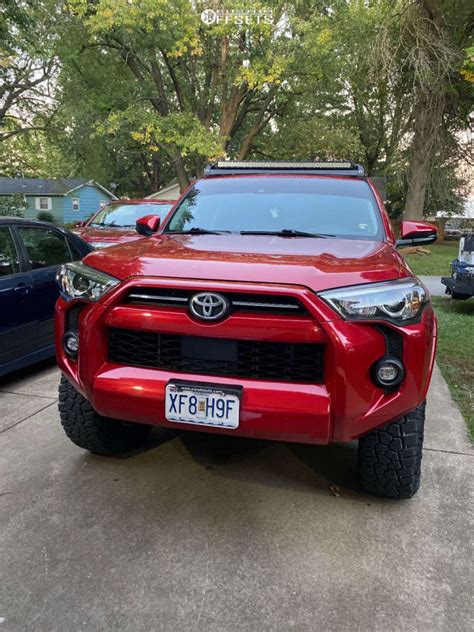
<point x="38" y="186"/>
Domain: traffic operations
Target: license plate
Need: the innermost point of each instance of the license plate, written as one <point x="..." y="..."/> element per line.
<point x="203" y="404"/>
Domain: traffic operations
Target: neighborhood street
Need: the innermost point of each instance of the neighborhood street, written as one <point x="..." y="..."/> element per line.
<point x="207" y="533"/>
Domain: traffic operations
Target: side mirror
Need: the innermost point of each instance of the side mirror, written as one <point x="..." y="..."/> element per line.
<point x="147" y="225"/>
<point x="79" y="225"/>
<point x="417" y="233"/>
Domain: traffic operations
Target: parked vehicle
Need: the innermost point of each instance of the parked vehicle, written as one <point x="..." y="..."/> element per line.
<point x="272" y="303"/>
<point x="460" y="285"/>
<point x="451" y="231"/>
<point x="115" y="222"/>
<point x="30" y="253"/>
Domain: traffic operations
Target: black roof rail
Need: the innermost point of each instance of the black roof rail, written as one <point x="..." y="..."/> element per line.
<point x="330" y="168"/>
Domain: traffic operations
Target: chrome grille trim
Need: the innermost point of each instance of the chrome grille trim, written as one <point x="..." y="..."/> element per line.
<point x="269" y="305"/>
<point x="239" y="301"/>
<point x="155" y="297"/>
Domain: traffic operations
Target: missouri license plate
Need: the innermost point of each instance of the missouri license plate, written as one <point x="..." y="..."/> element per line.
<point x="203" y="404"/>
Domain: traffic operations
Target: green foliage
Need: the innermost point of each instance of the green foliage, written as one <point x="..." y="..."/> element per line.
<point x="160" y="133"/>
<point x="438" y="263"/>
<point x="27" y="64"/>
<point x="454" y="356"/>
<point x="467" y="70"/>
<point x="12" y="205"/>
<point x="45" y="216"/>
<point x="182" y="90"/>
<point x="33" y="155"/>
<point x="144" y="91"/>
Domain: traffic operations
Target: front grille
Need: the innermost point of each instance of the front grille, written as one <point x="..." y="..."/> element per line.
<point x="287" y="362"/>
<point x="239" y="301"/>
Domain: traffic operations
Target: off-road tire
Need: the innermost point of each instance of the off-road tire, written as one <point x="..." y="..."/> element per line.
<point x="89" y="430"/>
<point x="389" y="459"/>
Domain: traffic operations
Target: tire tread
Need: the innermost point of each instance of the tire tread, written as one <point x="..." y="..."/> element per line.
<point x="389" y="459"/>
<point x="90" y="431"/>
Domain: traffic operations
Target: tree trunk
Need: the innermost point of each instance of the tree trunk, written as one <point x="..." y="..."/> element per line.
<point x="428" y="116"/>
<point x="441" y="224"/>
<point x="178" y="163"/>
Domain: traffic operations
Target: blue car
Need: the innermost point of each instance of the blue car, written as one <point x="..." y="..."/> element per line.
<point x="30" y="253"/>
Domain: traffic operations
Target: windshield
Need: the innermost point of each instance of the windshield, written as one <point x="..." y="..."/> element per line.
<point x="125" y="215"/>
<point x="318" y="206"/>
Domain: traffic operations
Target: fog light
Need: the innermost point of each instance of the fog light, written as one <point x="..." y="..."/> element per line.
<point x="71" y="344"/>
<point x="388" y="372"/>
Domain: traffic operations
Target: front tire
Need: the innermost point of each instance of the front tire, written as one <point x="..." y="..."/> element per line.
<point x="89" y="430"/>
<point x="389" y="459"/>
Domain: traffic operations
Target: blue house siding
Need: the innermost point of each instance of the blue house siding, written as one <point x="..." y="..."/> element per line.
<point x="57" y="207"/>
<point x="61" y="194"/>
<point x="90" y="198"/>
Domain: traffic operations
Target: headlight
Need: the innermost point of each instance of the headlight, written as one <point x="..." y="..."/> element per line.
<point x="77" y="280"/>
<point x="398" y="302"/>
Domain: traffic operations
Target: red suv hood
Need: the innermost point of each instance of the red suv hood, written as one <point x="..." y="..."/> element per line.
<point x="315" y="263"/>
<point x="109" y="236"/>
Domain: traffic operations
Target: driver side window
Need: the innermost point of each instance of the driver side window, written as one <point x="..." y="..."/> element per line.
<point x="9" y="263"/>
<point x="45" y="247"/>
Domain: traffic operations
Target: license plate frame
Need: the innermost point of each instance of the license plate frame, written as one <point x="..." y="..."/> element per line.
<point x="177" y="409"/>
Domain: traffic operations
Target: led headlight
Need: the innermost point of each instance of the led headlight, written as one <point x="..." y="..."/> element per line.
<point x="76" y="280"/>
<point x="398" y="302"/>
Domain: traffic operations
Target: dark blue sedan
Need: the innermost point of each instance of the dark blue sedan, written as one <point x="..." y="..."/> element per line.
<point x="30" y="253"/>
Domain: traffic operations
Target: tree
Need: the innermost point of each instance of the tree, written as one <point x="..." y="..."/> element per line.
<point x="140" y="90"/>
<point x="26" y="68"/>
<point x="195" y="87"/>
<point x="433" y="35"/>
<point x="351" y="103"/>
<point x="12" y="205"/>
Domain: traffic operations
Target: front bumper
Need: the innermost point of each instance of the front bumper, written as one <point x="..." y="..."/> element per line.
<point x="346" y="406"/>
<point x="464" y="286"/>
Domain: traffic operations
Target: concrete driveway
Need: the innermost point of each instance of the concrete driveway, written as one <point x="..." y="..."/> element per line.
<point x="434" y="285"/>
<point x="205" y="533"/>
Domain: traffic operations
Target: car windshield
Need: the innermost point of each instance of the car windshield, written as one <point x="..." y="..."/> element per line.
<point x="125" y="215"/>
<point x="289" y="206"/>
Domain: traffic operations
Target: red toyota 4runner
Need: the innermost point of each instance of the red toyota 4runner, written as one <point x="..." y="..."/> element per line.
<point x="272" y="303"/>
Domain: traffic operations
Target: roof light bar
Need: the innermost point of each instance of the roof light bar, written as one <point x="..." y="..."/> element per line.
<point x="226" y="167"/>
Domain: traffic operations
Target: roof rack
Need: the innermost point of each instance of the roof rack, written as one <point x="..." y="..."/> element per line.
<point x="331" y="168"/>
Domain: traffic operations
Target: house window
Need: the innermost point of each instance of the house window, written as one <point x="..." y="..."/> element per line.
<point x="43" y="203"/>
<point x="75" y="204"/>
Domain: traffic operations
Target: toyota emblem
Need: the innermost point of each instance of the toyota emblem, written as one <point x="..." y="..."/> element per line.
<point x="208" y="306"/>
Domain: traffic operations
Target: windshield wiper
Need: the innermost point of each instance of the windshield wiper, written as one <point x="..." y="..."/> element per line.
<point x="285" y="232"/>
<point x="197" y="231"/>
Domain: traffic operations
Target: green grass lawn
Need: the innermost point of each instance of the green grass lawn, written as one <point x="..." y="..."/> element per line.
<point x="437" y="263"/>
<point x="456" y="352"/>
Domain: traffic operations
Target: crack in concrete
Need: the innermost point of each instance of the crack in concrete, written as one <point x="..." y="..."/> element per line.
<point x="448" y="451"/>
<point x="16" y="423"/>
<point x="27" y="395"/>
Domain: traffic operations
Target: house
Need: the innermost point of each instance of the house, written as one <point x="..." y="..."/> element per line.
<point x="463" y="221"/>
<point x="68" y="200"/>
<point x="169" y="192"/>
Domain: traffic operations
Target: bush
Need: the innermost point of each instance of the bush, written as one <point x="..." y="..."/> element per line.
<point x="12" y="205"/>
<point x="45" y="216"/>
